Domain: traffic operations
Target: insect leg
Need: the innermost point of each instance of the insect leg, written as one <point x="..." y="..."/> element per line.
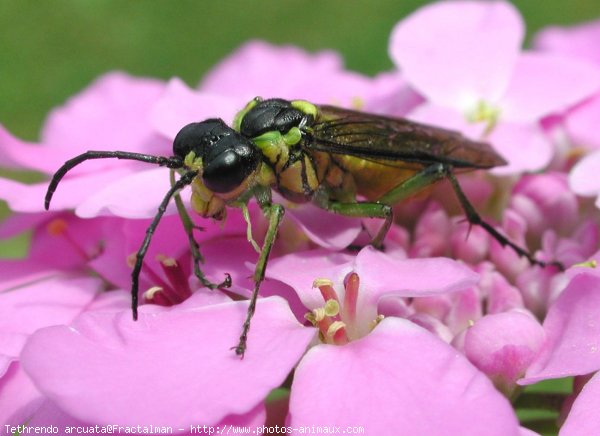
<point x="474" y="218"/>
<point x="188" y="226"/>
<point x="275" y="214"/>
<point x="170" y="162"/>
<point x="365" y="210"/>
<point x="185" y="180"/>
<point x="382" y="207"/>
<point x="435" y="172"/>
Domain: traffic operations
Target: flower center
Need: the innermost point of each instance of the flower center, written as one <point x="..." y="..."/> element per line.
<point x="169" y="289"/>
<point x="484" y="112"/>
<point x="337" y="319"/>
<point x="59" y="227"/>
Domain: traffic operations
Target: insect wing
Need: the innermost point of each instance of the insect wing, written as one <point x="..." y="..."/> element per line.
<point x="396" y="141"/>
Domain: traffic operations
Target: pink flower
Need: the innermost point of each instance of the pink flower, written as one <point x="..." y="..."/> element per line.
<point x="581" y="123"/>
<point x="573" y="335"/>
<point x="577" y="41"/>
<point x="103" y="353"/>
<point x="355" y="358"/>
<point x="503" y="346"/>
<point x="545" y="201"/>
<point x="119" y="356"/>
<point x="285" y="72"/>
<point x="113" y="113"/>
<point x="571" y="347"/>
<point x="465" y="57"/>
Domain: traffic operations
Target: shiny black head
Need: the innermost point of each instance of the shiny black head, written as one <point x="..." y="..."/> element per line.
<point x="227" y="157"/>
<point x="270" y="115"/>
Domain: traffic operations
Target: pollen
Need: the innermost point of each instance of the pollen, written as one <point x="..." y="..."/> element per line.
<point x="166" y="261"/>
<point x="592" y="263"/>
<point x="337" y="333"/>
<point x="322" y="282"/>
<point x="484" y="112"/>
<point x="57" y="227"/>
<point x="331" y="308"/>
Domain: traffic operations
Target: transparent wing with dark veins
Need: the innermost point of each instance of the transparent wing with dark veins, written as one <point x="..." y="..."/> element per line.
<point x="389" y="140"/>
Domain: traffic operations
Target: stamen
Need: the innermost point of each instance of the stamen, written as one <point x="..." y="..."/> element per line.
<point x="59" y="227"/>
<point x="156" y="295"/>
<point x="337" y="333"/>
<point x="376" y="322"/>
<point x="322" y="282"/>
<point x="173" y="291"/>
<point x="592" y="263"/>
<point x="319" y="314"/>
<point x="351" y="283"/>
<point x="176" y="276"/>
<point x="326" y="288"/>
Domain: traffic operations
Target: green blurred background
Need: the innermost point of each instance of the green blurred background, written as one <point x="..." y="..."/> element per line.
<point x="50" y="50"/>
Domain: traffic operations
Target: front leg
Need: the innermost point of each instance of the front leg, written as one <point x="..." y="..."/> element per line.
<point x="197" y="258"/>
<point x="274" y="213"/>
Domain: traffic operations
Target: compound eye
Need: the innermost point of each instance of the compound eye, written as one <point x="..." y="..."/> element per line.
<point x="226" y="172"/>
<point x="198" y="137"/>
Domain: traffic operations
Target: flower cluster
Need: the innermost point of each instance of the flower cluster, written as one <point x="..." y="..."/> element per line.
<point x="438" y="333"/>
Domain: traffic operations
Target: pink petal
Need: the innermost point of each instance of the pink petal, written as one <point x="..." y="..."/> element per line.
<point x="580" y="41"/>
<point x="300" y="270"/>
<point x="583" y="418"/>
<point x="504" y="345"/>
<point x="177" y="364"/>
<point x="411" y="277"/>
<point x="431" y="233"/>
<point x="501" y="296"/>
<point x="546" y="201"/>
<point x="123" y="238"/>
<point x="582" y="179"/>
<point x="112" y="113"/>
<point x="286" y="72"/>
<point x="573" y="333"/>
<point x="51" y="300"/>
<point x="447" y="118"/>
<point x="20" y="398"/>
<point x="543" y="84"/>
<point x="524" y="431"/>
<point x="466" y="309"/>
<point x="330" y="231"/>
<point x="18" y="272"/>
<point x="402" y="377"/>
<point x="524" y="147"/>
<point x="16" y="224"/>
<point x="458" y="53"/>
<point x="121" y="197"/>
<point x="391" y="95"/>
<point x="70" y="193"/>
<point x="18" y="154"/>
<point x="181" y="105"/>
<point x="48" y="414"/>
<point x="582" y="124"/>
<point x="56" y="300"/>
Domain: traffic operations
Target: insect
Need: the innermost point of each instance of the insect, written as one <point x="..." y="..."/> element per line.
<point x="323" y="154"/>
